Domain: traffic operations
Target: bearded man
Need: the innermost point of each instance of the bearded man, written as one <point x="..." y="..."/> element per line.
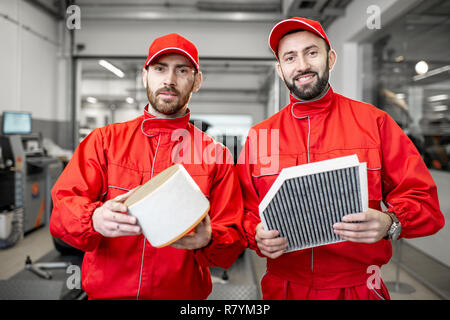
<point x="89" y="213"/>
<point x="319" y="124"/>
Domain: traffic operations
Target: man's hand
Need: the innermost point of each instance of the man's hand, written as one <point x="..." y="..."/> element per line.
<point x="110" y="221"/>
<point x="199" y="238"/>
<point x="269" y="242"/>
<point x="366" y="227"/>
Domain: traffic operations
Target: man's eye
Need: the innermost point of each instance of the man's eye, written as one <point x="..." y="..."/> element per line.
<point x="290" y="58"/>
<point x="313" y="53"/>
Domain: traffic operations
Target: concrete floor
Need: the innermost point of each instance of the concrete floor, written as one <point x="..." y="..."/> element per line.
<point x="39" y="243"/>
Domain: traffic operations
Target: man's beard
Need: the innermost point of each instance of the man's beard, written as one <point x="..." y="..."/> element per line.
<point x="310" y="90"/>
<point x="167" y="108"/>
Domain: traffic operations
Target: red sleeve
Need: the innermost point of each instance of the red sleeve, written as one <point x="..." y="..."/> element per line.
<point x="226" y="209"/>
<point x="76" y="195"/>
<point x="250" y="195"/>
<point x="408" y="188"/>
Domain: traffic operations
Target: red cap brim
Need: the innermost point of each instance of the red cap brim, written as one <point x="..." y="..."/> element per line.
<point x="285" y="26"/>
<point x="171" y="50"/>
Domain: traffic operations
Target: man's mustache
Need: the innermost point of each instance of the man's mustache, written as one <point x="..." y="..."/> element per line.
<point x="300" y="74"/>
<point x="167" y="89"/>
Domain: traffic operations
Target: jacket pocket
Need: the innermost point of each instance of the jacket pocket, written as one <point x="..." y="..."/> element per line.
<point x="373" y="160"/>
<point x="121" y="180"/>
<point x="371" y="156"/>
<point x="265" y="172"/>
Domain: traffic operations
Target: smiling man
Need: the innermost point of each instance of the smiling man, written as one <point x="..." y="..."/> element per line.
<point x="89" y="214"/>
<point x="319" y="124"/>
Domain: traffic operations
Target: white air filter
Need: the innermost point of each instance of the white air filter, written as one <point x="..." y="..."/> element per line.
<point x="305" y="201"/>
<point x="168" y="206"/>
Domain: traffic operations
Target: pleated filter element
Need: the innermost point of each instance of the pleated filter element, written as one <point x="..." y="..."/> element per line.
<point x="305" y="201"/>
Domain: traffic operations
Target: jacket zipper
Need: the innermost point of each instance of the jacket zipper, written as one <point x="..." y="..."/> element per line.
<point x="307" y="161"/>
<point x="143" y="247"/>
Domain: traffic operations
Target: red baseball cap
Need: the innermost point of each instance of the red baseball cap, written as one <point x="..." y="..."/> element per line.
<point x="172" y="43"/>
<point x="294" y="23"/>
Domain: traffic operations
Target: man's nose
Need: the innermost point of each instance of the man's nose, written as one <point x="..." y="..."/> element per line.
<point x="302" y="65"/>
<point x="170" y="78"/>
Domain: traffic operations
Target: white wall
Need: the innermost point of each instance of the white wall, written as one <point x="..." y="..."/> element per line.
<point x="213" y="39"/>
<point x="29" y="62"/>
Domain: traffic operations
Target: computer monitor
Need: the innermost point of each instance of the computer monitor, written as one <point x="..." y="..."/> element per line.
<point x="14" y="122"/>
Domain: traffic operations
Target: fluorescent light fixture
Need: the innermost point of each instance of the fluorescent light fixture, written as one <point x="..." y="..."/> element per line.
<point x="91" y="100"/>
<point x="438" y="97"/>
<point x="111" y="68"/>
<point x="421" y="67"/>
<point x="129" y="100"/>
<point x="441" y="107"/>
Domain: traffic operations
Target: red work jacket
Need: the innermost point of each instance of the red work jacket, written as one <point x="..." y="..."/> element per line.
<point x="121" y="156"/>
<point x="330" y="127"/>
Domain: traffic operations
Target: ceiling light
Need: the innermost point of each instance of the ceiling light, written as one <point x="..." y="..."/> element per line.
<point x="421" y="67"/>
<point x="129" y="100"/>
<point x="91" y="100"/>
<point x="441" y="107"/>
<point x="111" y="68"/>
<point x="400" y="96"/>
<point x="438" y="97"/>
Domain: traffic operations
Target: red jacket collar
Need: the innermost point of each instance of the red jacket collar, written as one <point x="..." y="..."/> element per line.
<point x="152" y="125"/>
<point x="303" y="108"/>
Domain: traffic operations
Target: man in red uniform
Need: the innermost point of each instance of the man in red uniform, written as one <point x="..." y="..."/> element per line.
<point x="89" y="214"/>
<point x="319" y="124"/>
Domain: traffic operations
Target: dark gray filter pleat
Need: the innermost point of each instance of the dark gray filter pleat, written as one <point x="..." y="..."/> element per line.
<point x="303" y="211"/>
<point x="298" y="212"/>
<point x="307" y="210"/>
<point x="358" y="190"/>
<point x="312" y="208"/>
<point x="269" y="215"/>
<point x="321" y="224"/>
<point x="295" y="213"/>
<point x="287" y="205"/>
<point x="343" y="189"/>
<point x="341" y="174"/>
<point x="279" y="216"/>
<point x="327" y="203"/>
<point x="348" y="191"/>
<point x="333" y="193"/>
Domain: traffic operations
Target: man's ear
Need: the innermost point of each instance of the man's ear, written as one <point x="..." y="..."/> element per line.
<point x="144" y="77"/>
<point x="332" y="57"/>
<point x="198" y="79"/>
<point x="279" y="71"/>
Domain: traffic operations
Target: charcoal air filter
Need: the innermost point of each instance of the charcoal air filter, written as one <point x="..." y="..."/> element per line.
<point x="305" y="201"/>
